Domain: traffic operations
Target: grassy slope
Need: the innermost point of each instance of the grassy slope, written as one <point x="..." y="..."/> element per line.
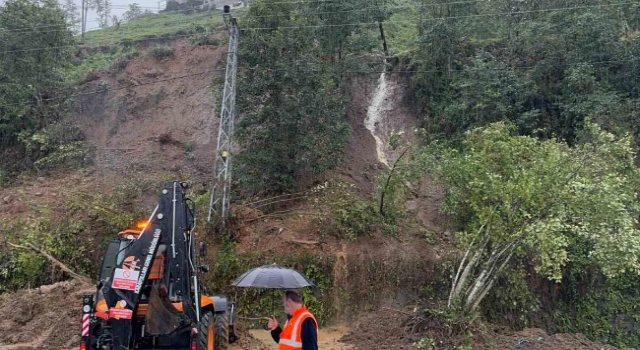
<point x="165" y="25"/>
<point x="161" y="25"/>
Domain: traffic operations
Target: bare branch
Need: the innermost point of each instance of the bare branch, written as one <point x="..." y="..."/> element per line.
<point x="56" y="262"/>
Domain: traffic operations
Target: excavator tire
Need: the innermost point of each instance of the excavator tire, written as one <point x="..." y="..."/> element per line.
<point x="222" y="331"/>
<point x="207" y="332"/>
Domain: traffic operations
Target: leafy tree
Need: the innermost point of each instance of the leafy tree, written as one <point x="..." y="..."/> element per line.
<point x="72" y="14"/>
<point x="103" y="8"/>
<point x="519" y="197"/>
<point x="32" y="65"/>
<point x="135" y="11"/>
<point x="295" y="124"/>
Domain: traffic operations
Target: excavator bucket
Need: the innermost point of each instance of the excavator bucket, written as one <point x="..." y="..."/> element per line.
<point x="162" y="317"/>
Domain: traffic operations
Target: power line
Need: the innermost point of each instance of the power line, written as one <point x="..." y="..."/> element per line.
<point x="348" y="24"/>
<point x="99" y="44"/>
<point x="451" y="17"/>
<point x="112" y="89"/>
<point x="367" y="9"/>
<point x="372" y="8"/>
<point x="467" y="69"/>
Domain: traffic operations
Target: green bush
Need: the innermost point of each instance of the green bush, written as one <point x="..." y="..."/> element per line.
<point x="342" y="214"/>
<point x="73" y="155"/>
<point x="103" y="86"/>
<point x="162" y="51"/>
<point x="204" y="39"/>
<point x="264" y="302"/>
<point x="21" y="268"/>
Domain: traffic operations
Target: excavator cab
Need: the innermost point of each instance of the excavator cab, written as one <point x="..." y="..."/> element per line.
<point x="149" y="294"/>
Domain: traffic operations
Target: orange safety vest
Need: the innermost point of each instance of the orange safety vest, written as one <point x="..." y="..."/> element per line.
<point x="291" y="336"/>
<point x="157" y="269"/>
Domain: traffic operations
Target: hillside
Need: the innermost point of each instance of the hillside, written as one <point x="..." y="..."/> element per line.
<point x="451" y="175"/>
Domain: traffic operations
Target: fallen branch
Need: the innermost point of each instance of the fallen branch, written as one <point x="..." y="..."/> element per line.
<point x="299" y="241"/>
<point x="56" y="262"/>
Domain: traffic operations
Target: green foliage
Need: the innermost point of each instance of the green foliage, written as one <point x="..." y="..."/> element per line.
<point x="204" y="39"/>
<point x="75" y="238"/>
<point x="518" y="196"/>
<point x="342" y="214"/>
<point x="31" y="78"/>
<point x="23" y="267"/>
<point x="72" y="155"/>
<point x="103" y="86"/>
<point x="162" y="51"/>
<point x="607" y="312"/>
<point x="427" y="343"/>
<point x="295" y="125"/>
<point x="260" y="302"/>
<point x="163" y="25"/>
<point x="511" y="300"/>
<point x="59" y="144"/>
<point x="113" y="60"/>
<point x="540" y="69"/>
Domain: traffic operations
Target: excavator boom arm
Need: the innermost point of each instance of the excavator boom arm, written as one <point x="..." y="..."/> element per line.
<point x="170" y="227"/>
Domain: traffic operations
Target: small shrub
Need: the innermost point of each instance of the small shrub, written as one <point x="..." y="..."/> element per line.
<point x="204" y="40"/>
<point x="426" y="343"/>
<point x="103" y="86"/>
<point x="342" y="214"/>
<point x="162" y="51"/>
<point x="188" y="147"/>
<point x="131" y="55"/>
<point x="73" y="155"/>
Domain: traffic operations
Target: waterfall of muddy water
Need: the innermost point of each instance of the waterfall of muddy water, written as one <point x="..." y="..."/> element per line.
<point x="375" y="114"/>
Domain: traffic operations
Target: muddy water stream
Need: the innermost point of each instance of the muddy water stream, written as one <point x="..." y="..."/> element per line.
<point x="375" y="114"/>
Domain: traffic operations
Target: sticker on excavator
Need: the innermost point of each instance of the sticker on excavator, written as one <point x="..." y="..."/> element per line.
<point x="120" y="313"/>
<point x="125" y="279"/>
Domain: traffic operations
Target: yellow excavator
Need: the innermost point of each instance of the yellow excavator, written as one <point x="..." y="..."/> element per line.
<point x="149" y="293"/>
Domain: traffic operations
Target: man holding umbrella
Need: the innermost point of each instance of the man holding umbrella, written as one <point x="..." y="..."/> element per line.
<point x="300" y="332"/>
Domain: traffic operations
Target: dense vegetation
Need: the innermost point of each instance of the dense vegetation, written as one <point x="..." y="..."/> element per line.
<point x="542" y="65"/>
<point x="294" y="125"/>
<point x="529" y="121"/>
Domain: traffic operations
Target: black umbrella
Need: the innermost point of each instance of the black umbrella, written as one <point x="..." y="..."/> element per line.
<point x="272" y="277"/>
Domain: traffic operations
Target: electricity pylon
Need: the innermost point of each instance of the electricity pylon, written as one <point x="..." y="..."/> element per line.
<point x="220" y="201"/>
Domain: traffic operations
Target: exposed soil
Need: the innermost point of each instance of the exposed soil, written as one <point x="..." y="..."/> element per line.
<point x="157" y="111"/>
<point x="387" y="329"/>
<point x="537" y="339"/>
<point x="49" y="317"/>
<point x="46" y="317"/>
<point x="328" y="339"/>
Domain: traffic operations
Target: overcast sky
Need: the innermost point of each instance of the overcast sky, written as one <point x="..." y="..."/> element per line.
<point x="118" y="7"/>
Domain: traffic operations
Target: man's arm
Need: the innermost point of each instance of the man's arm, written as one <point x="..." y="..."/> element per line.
<point x="309" y="335"/>
<point x="275" y="334"/>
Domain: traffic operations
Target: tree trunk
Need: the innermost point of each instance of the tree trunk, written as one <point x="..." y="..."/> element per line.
<point x="384" y="40"/>
<point x="386" y="185"/>
<point x="488" y="287"/>
<point x="457" y="288"/>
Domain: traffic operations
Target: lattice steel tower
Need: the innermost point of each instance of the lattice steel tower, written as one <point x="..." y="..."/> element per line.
<point x="220" y="201"/>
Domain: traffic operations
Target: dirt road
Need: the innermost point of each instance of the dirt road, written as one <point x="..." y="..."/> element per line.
<point x="328" y="339"/>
